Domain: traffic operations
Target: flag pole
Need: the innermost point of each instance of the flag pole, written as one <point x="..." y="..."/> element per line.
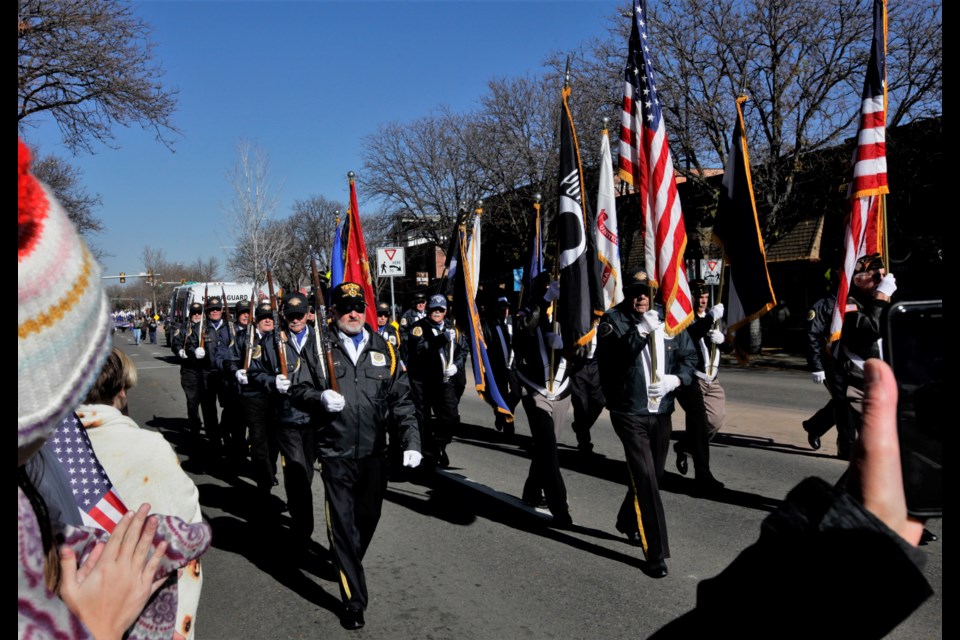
<point x="556" y="261"/>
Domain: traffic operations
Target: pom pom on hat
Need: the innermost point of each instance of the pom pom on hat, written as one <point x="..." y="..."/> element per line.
<point x="62" y="314"/>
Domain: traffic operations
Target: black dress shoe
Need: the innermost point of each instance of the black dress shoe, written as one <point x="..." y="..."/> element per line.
<point x="927" y="536"/>
<point x="812" y="440"/>
<point x="561" y="520"/>
<point x="682" y="465"/>
<point x="656" y="569"/>
<point x="352" y="618"/>
<point x="633" y="537"/>
<point x="442" y="460"/>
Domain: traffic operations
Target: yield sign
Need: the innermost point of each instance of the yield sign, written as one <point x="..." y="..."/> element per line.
<point x="390" y="253"/>
<point x="390" y="262"/>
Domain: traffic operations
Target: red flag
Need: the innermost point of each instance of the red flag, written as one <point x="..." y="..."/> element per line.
<point x="356" y="265"/>
<point x="646" y="164"/>
<point x="864" y="229"/>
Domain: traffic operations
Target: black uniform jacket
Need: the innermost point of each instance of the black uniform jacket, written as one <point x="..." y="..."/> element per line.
<point x="265" y="366"/>
<point x="376" y="393"/>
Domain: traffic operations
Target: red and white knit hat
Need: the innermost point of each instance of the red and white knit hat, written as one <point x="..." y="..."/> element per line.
<point x="62" y="314"/>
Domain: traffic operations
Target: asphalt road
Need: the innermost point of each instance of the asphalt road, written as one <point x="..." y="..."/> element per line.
<point x="457" y="555"/>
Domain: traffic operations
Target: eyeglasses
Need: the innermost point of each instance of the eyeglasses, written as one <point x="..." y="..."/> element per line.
<point x="350" y="307"/>
<point x="294" y="317"/>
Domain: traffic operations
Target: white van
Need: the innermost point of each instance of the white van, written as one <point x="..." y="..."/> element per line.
<point x="186" y="294"/>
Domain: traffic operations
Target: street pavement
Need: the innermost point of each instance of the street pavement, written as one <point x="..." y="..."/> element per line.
<point x="457" y="555"/>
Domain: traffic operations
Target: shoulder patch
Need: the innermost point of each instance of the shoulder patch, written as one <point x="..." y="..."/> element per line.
<point x="392" y="339"/>
<point x="377" y="359"/>
<point x="605" y="329"/>
<point x="403" y="322"/>
<point x="417" y="331"/>
<point x="811" y="315"/>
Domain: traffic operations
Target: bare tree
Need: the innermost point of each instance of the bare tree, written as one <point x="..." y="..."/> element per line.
<point x="312" y="224"/>
<point x="205" y="270"/>
<point x="89" y="64"/>
<point x="66" y="181"/>
<point x="250" y="213"/>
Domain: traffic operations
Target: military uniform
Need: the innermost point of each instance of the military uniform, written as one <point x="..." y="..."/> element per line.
<point x="641" y="421"/>
<point x="586" y="395"/>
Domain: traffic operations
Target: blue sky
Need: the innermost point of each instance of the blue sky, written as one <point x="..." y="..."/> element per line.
<point x="306" y="81"/>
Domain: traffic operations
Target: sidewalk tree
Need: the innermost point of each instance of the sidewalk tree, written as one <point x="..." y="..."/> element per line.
<point x="66" y="181"/>
<point x="89" y="65"/>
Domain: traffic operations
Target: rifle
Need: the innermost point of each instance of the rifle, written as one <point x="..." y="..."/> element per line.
<point x="281" y="336"/>
<point x="248" y="355"/>
<point x="324" y="355"/>
<point x="203" y="318"/>
<point x="226" y="314"/>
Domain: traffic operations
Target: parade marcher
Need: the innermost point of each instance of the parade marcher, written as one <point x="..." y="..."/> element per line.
<point x="861" y="334"/>
<point x="391" y="333"/>
<point x="417" y="311"/>
<point x="704" y="401"/>
<point x="233" y="419"/>
<point x="586" y="394"/>
<point x="435" y="355"/>
<point x="545" y="398"/>
<point x="640" y="401"/>
<point x="185" y="344"/>
<point x="352" y="437"/>
<point x="498" y="335"/>
<point x="387" y="329"/>
<point x="291" y="421"/>
<point x="826" y="372"/>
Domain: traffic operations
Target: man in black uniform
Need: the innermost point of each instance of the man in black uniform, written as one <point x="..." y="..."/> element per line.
<point x="184" y="345"/>
<point x="371" y="391"/>
<point x="435" y="355"/>
<point x="640" y="399"/>
<point x="417" y="312"/>
<point x="586" y="394"/>
<point x="498" y="335"/>
<point x="292" y="423"/>
<point x="233" y="419"/>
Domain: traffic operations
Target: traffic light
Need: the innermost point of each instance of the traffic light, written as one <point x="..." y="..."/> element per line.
<point x="183" y="281"/>
<point x="123" y="277"/>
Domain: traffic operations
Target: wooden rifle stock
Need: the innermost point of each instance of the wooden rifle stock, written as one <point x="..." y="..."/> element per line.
<point x="203" y="319"/>
<point x="252" y="330"/>
<point x="280" y="335"/>
<point x="324" y="355"/>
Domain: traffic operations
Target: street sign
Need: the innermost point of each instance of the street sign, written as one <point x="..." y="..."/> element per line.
<point x="711" y="270"/>
<point x="390" y="262"/>
<point x="423" y="278"/>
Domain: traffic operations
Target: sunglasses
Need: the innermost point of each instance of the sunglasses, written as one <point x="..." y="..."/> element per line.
<point x="350" y="307"/>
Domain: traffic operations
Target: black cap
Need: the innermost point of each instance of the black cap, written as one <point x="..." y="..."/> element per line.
<point x="214" y="303"/>
<point x="419" y="297"/>
<point x="347" y="293"/>
<point x="264" y="310"/>
<point x="195" y="307"/>
<point x="243" y="306"/>
<point x="383" y="309"/>
<point x="698" y="287"/>
<point x="294" y="303"/>
<point x="868" y="263"/>
<point x="636" y="280"/>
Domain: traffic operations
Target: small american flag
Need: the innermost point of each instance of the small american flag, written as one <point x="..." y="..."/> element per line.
<point x="864" y="232"/>
<point x="645" y="163"/>
<point x="98" y="502"/>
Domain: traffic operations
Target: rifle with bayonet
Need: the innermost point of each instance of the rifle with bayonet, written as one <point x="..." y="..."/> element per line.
<point x="203" y="319"/>
<point x="324" y="355"/>
<point x="226" y="315"/>
<point x="251" y="330"/>
<point x="281" y="336"/>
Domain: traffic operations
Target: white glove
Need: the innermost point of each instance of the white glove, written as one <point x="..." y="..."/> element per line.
<point x="554" y="341"/>
<point x="650" y="322"/>
<point x="283" y="383"/>
<point x="199" y="352"/>
<point x="716" y="336"/>
<point x="716" y="312"/>
<point x="662" y="387"/>
<point x="888" y="285"/>
<point x="450" y="371"/>
<point x="451" y="334"/>
<point x="332" y="401"/>
<point x="182" y="354"/>
<point x="412" y="458"/>
<point x="818" y="377"/>
<point x="242" y="376"/>
<point x="553" y="291"/>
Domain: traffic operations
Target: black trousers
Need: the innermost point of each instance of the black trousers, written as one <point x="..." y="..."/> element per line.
<point x="646" y="442"/>
<point x="436" y="403"/>
<point x="545" y="418"/>
<point x="354" y="490"/>
<point x="263" y="443"/>
<point x="297" y="446"/>
<point x="846" y="423"/>
<point x="233" y="421"/>
<point x="587" y="399"/>
<point x="696" y="437"/>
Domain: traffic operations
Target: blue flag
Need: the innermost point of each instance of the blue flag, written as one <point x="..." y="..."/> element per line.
<point x="336" y="256"/>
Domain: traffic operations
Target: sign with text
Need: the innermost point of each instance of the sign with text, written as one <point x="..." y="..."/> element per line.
<point x="711" y="271"/>
<point x="423" y="278"/>
<point x="390" y="262"/>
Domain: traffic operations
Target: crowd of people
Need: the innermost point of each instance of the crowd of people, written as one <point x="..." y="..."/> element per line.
<point x="357" y="398"/>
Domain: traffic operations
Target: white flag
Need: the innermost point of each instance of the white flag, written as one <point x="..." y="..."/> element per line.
<point x="608" y="246"/>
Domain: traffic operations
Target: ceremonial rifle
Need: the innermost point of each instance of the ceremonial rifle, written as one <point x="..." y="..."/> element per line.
<point x="252" y="337"/>
<point x="279" y="333"/>
<point x="226" y="314"/>
<point x="324" y="355"/>
<point x="203" y="318"/>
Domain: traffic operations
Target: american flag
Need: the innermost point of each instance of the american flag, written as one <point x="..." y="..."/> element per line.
<point x="98" y="502"/>
<point x="645" y="163"/>
<point x="864" y="229"/>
